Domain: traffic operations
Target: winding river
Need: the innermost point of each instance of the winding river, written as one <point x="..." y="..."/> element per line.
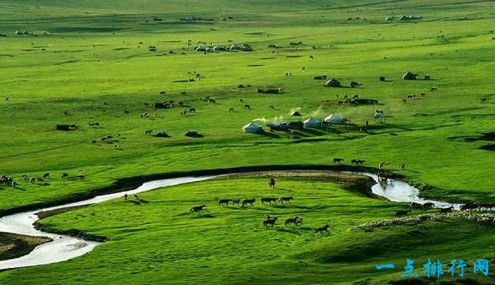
<point x="66" y="247"/>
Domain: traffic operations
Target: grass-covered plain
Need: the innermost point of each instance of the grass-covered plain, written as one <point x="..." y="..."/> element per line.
<point x="159" y="241"/>
<point x="93" y="65"/>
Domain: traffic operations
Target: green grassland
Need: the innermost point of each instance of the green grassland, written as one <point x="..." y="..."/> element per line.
<point x="88" y="61"/>
<point x="157" y="240"/>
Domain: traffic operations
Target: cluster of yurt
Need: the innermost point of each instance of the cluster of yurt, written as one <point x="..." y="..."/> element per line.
<point x="309" y="123"/>
<point x="221" y="48"/>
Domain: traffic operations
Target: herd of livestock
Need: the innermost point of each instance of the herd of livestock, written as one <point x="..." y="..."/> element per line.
<point x="269" y="221"/>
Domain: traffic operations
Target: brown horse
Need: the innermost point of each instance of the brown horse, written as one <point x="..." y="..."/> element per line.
<point x="223" y="202"/>
<point x="271" y="183"/>
<point x="268" y="200"/>
<point x="286" y="199"/>
<point x="197" y="209"/>
<point x="322" y="229"/>
<point x="269" y="221"/>
<point x="294" y="220"/>
<point x="248" y="202"/>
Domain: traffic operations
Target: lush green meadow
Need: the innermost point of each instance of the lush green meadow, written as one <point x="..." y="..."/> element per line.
<point x="89" y="61"/>
<point x="157" y="240"/>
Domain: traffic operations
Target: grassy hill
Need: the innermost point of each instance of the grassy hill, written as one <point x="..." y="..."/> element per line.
<point x="90" y="61"/>
<point x="157" y="240"/>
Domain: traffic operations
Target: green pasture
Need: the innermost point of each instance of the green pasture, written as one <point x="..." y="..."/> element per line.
<point x="157" y="240"/>
<point x="89" y="61"/>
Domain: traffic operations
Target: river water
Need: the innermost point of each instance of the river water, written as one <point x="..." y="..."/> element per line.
<point x="64" y="247"/>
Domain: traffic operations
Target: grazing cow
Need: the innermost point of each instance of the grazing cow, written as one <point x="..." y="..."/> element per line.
<point x="287" y="199"/>
<point x="272" y="107"/>
<point x="446" y="210"/>
<point x="192" y="110"/>
<point x="240" y="100"/>
<point x="236" y="201"/>
<point x="247" y="107"/>
<point x="212" y="101"/>
<point x="81" y="176"/>
<point x="64" y="175"/>
<point x="144" y="115"/>
<point x="270" y="221"/>
<point x="148" y="132"/>
<point x="93" y="141"/>
<point x="401" y="213"/>
<point x="246" y="202"/>
<point x="197" y="209"/>
<point x="271" y="183"/>
<point x="337" y="160"/>
<point x="268" y="200"/>
<point x="223" y="202"/>
<point x="231" y="109"/>
<point x="433" y="89"/>
<point x="322" y="229"/>
<point x="294" y="220"/>
<point x="46" y="175"/>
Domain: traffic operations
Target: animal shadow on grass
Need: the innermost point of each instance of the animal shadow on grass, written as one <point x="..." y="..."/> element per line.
<point x="207" y="215"/>
<point x="142" y="201"/>
<point x="293" y="230"/>
<point x="269" y="134"/>
<point x="282" y="189"/>
<point x="312" y="132"/>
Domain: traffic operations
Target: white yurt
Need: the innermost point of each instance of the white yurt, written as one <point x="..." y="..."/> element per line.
<point x="311" y="123"/>
<point x="335" y="119"/>
<point x="251" y="128"/>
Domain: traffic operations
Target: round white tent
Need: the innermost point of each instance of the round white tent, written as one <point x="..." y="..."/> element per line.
<point x="335" y="119"/>
<point x="311" y="123"/>
<point x="251" y="128"/>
